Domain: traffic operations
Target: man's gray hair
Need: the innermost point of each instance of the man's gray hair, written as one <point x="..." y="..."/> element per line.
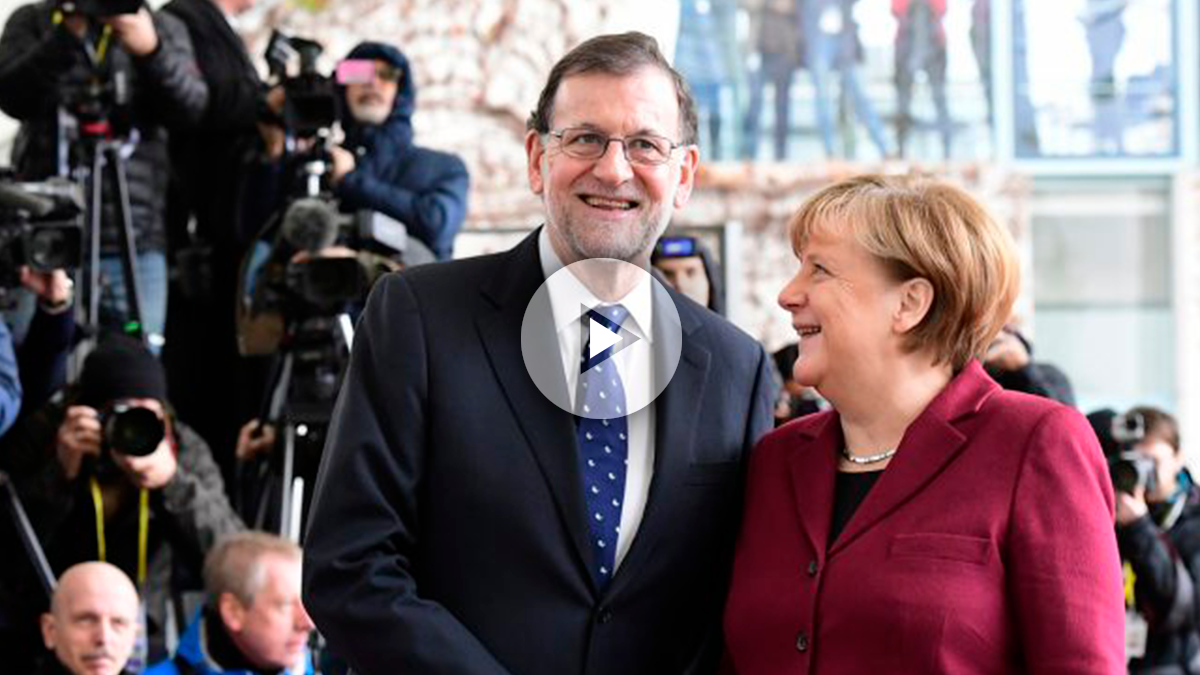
<point x="235" y="564"/>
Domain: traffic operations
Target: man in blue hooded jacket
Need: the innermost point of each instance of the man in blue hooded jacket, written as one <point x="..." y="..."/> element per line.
<point x="378" y="167"/>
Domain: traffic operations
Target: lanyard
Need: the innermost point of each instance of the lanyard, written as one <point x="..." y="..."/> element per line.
<point x="95" y="52"/>
<point x="1130" y="581"/>
<point x="143" y="527"/>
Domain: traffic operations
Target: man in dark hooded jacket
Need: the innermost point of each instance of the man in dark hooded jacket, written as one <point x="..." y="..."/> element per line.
<point x="379" y="168"/>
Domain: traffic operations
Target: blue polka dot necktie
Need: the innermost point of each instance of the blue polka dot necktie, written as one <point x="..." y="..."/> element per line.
<point x="603" y="445"/>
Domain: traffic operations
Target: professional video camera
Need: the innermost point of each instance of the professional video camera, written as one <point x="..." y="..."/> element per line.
<point x="1129" y="468"/>
<point x="312" y="102"/>
<point x="41" y="226"/>
<point x="301" y="280"/>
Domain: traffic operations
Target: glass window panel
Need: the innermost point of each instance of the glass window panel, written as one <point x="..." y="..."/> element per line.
<point x="1102" y="297"/>
<point x="1094" y="78"/>
<point x="802" y="79"/>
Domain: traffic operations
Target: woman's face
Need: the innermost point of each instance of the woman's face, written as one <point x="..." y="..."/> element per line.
<point x="843" y="306"/>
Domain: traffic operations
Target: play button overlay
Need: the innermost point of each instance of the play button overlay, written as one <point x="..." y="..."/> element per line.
<point x="604" y="315"/>
<point x="601" y="334"/>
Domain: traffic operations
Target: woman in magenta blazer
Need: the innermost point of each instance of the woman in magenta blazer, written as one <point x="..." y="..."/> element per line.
<point x="931" y="522"/>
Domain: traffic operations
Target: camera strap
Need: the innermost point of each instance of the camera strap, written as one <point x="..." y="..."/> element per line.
<point x="143" y="527"/>
<point x="96" y="52"/>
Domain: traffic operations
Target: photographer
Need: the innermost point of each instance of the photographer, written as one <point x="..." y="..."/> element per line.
<point x="1158" y="532"/>
<point x="52" y="58"/>
<point x="111" y="474"/>
<point x="379" y="168"/>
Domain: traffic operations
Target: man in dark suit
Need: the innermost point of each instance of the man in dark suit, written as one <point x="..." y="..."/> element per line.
<point x="450" y="530"/>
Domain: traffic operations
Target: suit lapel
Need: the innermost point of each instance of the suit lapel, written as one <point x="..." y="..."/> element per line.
<point x="676" y="415"/>
<point x="549" y="430"/>
<point x="931" y="442"/>
<point x="813" y="472"/>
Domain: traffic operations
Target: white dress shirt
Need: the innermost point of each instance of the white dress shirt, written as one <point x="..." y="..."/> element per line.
<point x="634" y="364"/>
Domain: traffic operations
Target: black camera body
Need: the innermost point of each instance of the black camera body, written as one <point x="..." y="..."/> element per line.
<point x="41" y="226"/>
<point x="100" y="101"/>
<point x="312" y="102"/>
<point x="100" y="8"/>
<point x="129" y="430"/>
<point x="1129" y="468"/>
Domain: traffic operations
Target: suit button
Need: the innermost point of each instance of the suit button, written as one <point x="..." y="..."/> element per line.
<point x="812" y="568"/>
<point x="802" y="642"/>
<point x="604" y="615"/>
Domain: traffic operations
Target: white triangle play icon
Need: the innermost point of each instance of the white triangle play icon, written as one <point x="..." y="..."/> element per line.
<point x="601" y="338"/>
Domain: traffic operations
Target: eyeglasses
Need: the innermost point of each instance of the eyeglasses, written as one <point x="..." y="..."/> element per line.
<point x="386" y="72"/>
<point x="644" y="149"/>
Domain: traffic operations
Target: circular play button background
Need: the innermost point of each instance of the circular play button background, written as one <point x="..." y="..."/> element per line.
<point x="575" y="307"/>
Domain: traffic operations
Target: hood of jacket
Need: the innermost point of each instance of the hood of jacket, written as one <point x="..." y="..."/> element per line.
<point x="397" y="128"/>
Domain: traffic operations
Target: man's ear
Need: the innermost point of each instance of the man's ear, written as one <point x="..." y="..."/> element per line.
<point x="687" y="175"/>
<point x="916" y="299"/>
<point x="49" y="631"/>
<point x="535" y="150"/>
<point x="233" y="614"/>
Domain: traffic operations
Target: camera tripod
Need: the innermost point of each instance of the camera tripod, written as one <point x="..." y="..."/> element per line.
<point x="300" y="405"/>
<point x="107" y="161"/>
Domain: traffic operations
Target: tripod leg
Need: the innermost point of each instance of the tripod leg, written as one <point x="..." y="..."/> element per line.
<point x="29" y="539"/>
<point x="289" y="468"/>
<point x="95" y="220"/>
<point x="128" y="246"/>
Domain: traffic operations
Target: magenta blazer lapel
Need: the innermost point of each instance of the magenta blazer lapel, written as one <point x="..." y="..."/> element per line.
<point x="931" y="442"/>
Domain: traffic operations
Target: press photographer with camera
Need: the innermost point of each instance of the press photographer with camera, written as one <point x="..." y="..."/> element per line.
<point x="108" y="473"/>
<point x="1158" y="533"/>
<point x="81" y="76"/>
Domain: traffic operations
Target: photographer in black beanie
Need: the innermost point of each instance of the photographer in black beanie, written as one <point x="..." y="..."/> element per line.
<point x="107" y="473"/>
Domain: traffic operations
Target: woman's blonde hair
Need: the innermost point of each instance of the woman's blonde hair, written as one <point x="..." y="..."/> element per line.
<point x="922" y="228"/>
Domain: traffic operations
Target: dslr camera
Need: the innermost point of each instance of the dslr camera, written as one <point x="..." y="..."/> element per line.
<point x="41" y="226"/>
<point x="129" y="430"/>
<point x="1129" y="468"/>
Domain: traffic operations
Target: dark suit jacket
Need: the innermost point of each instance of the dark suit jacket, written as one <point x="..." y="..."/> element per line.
<point x="987" y="546"/>
<point x="448" y="532"/>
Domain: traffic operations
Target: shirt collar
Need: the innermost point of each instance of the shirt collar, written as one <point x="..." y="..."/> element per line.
<point x="565" y="297"/>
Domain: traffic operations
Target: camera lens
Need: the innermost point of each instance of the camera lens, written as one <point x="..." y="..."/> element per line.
<point x="134" y="431"/>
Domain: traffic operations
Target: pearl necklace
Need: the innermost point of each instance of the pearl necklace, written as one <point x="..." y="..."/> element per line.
<point x="867" y="459"/>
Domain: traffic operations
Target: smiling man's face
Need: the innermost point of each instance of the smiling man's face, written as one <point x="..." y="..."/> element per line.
<point x="608" y="207"/>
